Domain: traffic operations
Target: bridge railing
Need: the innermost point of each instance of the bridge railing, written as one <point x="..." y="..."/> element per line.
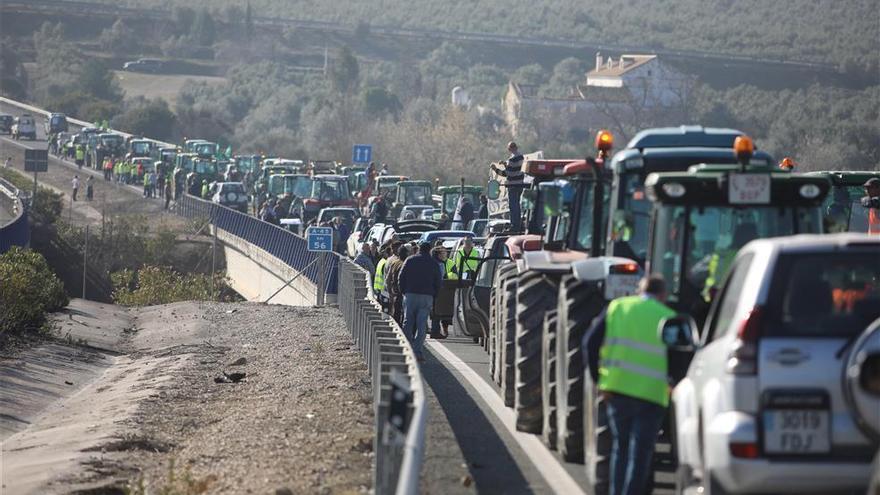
<point x="15" y="232"/>
<point x="399" y="400"/>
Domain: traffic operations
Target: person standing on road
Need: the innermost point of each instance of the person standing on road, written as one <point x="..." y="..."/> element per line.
<point x="439" y="328"/>
<point x="365" y="261"/>
<point x="153" y="184"/>
<point x="379" y="278"/>
<point x="625" y="354"/>
<point x="75" y="184"/>
<point x="466" y="260"/>
<point x="79" y="155"/>
<point x="464" y="213"/>
<point x="8" y="162"/>
<point x="168" y="194"/>
<point x="514" y="182"/>
<point x="420" y="282"/>
<point x="871" y="201"/>
<point x="90" y="188"/>
<point x="392" y="280"/>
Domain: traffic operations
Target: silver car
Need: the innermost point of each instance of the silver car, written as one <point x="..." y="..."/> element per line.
<point x="765" y="406"/>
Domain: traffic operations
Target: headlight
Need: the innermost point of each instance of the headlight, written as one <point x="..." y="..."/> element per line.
<point x="809" y="191"/>
<point x="674" y="189"/>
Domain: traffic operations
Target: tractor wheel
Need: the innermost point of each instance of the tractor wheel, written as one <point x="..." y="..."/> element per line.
<point x="507" y="338"/>
<point x="505" y="272"/>
<point x="548" y="379"/>
<point x="535" y="296"/>
<point x="597" y="439"/>
<point x="578" y="303"/>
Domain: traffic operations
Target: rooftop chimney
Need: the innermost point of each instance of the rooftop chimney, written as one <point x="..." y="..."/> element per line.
<point x="598" y="60"/>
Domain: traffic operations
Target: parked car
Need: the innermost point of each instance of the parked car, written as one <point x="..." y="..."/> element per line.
<point x="231" y="195"/>
<point x="765" y="406"/>
<point x="348" y="216"/>
<point x="24" y="127"/>
<point x="434" y="235"/>
<point x="6" y="122"/>
<point x="412" y="212"/>
<point x="150" y="65"/>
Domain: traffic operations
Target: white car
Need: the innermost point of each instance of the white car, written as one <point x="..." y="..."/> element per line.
<point x="765" y="406"/>
<point x="24" y="127"/>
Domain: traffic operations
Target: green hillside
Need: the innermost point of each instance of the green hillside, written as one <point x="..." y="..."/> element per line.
<point x="829" y="31"/>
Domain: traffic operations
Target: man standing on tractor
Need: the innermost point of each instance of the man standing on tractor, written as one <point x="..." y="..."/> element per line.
<point x="871" y="201"/>
<point x="512" y="171"/>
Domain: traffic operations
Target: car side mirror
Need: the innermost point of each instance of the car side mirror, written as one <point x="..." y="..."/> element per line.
<point x="679" y="333"/>
<point x="493" y="189"/>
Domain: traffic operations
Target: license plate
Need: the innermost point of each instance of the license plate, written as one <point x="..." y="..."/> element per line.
<point x="749" y="189"/>
<point x="621" y="285"/>
<point x="796" y="431"/>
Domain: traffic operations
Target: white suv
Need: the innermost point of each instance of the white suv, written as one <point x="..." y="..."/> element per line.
<point x="769" y="404"/>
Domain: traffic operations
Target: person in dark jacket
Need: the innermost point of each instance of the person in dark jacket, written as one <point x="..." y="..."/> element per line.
<point x="483" y="212"/>
<point x="392" y="280"/>
<point x="420" y="281"/>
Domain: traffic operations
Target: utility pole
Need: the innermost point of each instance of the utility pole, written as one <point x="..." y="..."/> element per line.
<point x="85" y="261"/>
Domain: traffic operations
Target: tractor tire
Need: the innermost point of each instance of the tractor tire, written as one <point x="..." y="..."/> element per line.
<point x="578" y="303"/>
<point x="490" y="338"/>
<point x="505" y="272"/>
<point x="535" y="296"/>
<point x="548" y="379"/>
<point x="597" y="439"/>
<point x="507" y="339"/>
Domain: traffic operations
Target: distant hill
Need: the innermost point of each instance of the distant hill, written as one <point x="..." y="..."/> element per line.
<point x="842" y="32"/>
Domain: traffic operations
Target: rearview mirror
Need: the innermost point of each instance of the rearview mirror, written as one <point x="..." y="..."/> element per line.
<point x="493" y="189"/>
<point x="553" y="200"/>
<point x="679" y="332"/>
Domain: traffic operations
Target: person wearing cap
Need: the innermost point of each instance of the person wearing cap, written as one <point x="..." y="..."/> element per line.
<point x="420" y="281"/>
<point x="515" y="182"/>
<point x="871" y="201"/>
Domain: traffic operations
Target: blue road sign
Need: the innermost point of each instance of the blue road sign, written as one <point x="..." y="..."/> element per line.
<point x="320" y="238"/>
<point x="362" y="153"/>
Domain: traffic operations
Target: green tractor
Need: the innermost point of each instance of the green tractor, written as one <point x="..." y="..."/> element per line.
<point x="411" y="193"/>
<point x="449" y="196"/>
<point x="842" y="210"/>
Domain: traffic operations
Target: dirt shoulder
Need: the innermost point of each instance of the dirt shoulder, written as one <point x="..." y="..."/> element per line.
<point x="301" y="418"/>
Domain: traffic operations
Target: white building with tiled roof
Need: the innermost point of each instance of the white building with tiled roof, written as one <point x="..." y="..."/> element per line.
<point x="616" y="90"/>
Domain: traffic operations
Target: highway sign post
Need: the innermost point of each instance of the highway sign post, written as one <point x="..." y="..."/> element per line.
<point x="362" y="153"/>
<point x="36" y="161"/>
<point x="320" y="239"/>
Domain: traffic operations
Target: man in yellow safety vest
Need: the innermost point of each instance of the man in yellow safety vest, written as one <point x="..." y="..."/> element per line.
<point x="632" y="377"/>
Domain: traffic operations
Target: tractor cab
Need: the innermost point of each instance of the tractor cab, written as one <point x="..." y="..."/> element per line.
<point x="411" y="193"/>
<point x="842" y="210"/>
<point x="700" y="218"/>
<point x="449" y="196"/>
<point x="247" y="163"/>
<point x="140" y="147"/>
<point x="203" y="148"/>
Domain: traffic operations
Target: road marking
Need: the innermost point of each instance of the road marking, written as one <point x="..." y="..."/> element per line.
<point x="549" y="466"/>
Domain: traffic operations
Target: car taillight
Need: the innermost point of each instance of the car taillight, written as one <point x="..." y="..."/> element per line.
<point x="743" y="357"/>
<point x="744" y="450"/>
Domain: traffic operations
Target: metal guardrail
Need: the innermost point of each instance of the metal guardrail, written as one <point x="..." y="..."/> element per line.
<point x="17" y="231"/>
<point x="399" y="399"/>
<point x="283" y="244"/>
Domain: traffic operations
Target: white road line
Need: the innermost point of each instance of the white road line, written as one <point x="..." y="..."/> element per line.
<point x="549" y="466"/>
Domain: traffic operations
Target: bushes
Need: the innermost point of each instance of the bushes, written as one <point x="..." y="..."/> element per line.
<point x="28" y="290"/>
<point x="153" y="285"/>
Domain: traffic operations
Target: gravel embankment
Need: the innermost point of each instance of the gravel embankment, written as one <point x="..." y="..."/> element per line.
<point x="300" y="421"/>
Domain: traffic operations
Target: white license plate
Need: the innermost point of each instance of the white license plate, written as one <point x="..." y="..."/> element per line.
<point x="796" y="431"/>
<point x="621" y="285"/>
<point x="749" y="189"/>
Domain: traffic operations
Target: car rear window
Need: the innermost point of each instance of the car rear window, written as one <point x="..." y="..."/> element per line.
<point x="824" y="295"/>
